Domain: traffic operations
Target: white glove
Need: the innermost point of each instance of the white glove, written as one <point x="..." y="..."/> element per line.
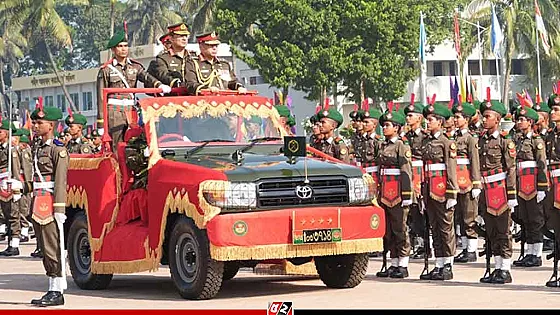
<point x="406" y="203"/>
<point x="60" y="217"/>
<point x="540" y="196"/>
<point x="100" y="131"/>
<point x="16" y="184"/>
<point x="512" y="203"/>
<point x="475" y="192"/>
<point x="479" y="219"/>
<point x="165" y="88"/>
<point x="16" y="197"/>
<point x="450" y="203"/>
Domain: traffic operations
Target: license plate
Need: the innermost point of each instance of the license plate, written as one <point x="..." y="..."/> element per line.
<point x="317" y="236"/>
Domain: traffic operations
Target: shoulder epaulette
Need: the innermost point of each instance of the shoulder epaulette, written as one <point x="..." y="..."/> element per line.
<point x="58" y="143"/>
<point x="134" y="61"/>
<point x="106" y="63"/>
<point x="338" y="140"/>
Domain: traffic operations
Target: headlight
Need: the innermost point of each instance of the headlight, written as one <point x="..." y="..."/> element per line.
<point x="234" y="195"/>
<point x="360" y="190"/>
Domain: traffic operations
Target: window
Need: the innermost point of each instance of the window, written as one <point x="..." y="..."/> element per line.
<point x="474" y="69"/>
<point x="452" y="68"/>
<point x="438" y="69"/>
<point x="87" y="101"/>
<point x="256" y="80"/>
<point x="490" y="67"/>
<point x="61" y="102"/>
<point x="518" y="66"/>
<point x="75" y="99"/>
<point x="49" y="100"/>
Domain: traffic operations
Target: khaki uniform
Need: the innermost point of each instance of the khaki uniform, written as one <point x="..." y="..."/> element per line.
<point x="370" y="153"/>
<point x="26" y="176"/>
<point x="440" y="185"/>
<point x="336" y="148"/>
<point x="10" y="208"/>
<point x="120" y="105"/>
<point x="356" y="148"/>
<point x="203" y="74"/>
<point x="79" y="145"/>
<point x="170" y="68"/>
<point x="468" y="178"/>
<point x="553" y="155"/>
<point x="415" y="139"/>
<point x="498" y="170"/>
<point x="52" y="160"/>
<point x="395" y="185"/>
<point x="531" y="177"/>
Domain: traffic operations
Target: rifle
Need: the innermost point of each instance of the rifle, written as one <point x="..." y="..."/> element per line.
<point x="488" y="253"/>
<point x="521" y="238"/>
<point x="554" y="281"/>
<point x="384" y="264"/>
<point x="426" y="236"/>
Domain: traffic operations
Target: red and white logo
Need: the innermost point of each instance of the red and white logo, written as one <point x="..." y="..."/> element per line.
<point x="279" y="308"/>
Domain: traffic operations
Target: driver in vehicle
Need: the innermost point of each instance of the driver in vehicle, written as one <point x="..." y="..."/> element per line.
<point x="253" y="127"/>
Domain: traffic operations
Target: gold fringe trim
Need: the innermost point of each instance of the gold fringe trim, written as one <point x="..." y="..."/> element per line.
<point x="280" y="251"/>
<point x="150" y="263"/>
<point x="217" y="187"/>
<point x="85" y="163"/>
<point x="286" y="268"/>
<point x="42" y="222"/>
<point x="153" y="143"/>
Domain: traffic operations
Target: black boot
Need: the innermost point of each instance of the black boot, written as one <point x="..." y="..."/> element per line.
<point x="37" y="253"/>
<point x="430" y="275"/>
<point x="386" y="273"/>
<point x="2" y="237"/>
<point x="10" y="251"/>
<point x="520" y="262"/>
<point x="401" y="272"/>
<point x="501" y="277"/>
<point x="489" y="278"/>
<point x="555" y="283"/>
<point x="533" y="261"/>
<point x="465" y="257"/>
<point x="23" y="239"/>
<point x="52" y="298"/>
<point x="445" y="273"/>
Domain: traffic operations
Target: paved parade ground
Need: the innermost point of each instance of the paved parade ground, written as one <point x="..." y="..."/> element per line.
<point x="22" y="279"/>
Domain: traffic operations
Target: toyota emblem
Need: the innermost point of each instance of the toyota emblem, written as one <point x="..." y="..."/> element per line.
<point x="304" y="192"/>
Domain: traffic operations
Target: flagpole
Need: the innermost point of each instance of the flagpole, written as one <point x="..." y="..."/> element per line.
<point x="423" y="65"/>
<point x="479" y="60"/>
<point x="538" y="56"/>
<point x="498" y="77"/>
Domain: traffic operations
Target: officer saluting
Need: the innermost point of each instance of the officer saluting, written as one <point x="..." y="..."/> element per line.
<point x="395" y="195"/>
<point x="50" y="160"/>
<point x="497" y="167"/>
<point x="207" y="71"/>
<point x="440" y="190"/>
<point x="77" y="143"/>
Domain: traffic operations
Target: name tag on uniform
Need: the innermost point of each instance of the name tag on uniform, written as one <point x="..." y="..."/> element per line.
<point x="132" y="71"/>
<point x="114" y="74"/>
<point x="224" y="75"/>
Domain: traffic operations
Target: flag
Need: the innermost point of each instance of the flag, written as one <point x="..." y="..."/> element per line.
<point x="496" y="35"/>
<point x="541" y="29"/>
<point x="456" y="90"/>
<point x="467" y="92"/>
<point x="474" y="93"/>
<point x="451" y="88"/>
<point x="27" y="122"/>
<point x="422" y="41"/>
<point x="457" y="36"/>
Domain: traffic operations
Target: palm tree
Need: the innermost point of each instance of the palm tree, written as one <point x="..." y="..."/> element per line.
<point x="202" y="12"/>
<point x="42" y="26"/>
<point x="147" y="19"/>
<point x="12" y="46"/>
<point x="517" y="19"/>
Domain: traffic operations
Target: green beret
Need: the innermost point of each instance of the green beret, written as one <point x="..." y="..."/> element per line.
<point x="48" y="113"/>
<point x="25" y="132"/>
<point x="372" y="113"/>
<point x="254" y="119"/>
<point x="437" y="109"/>
<point x="291" y="121"/>
<point x="551" y="101"/>
<point x="542" y="107"/>
<point x="466" y="109"/>
<point x="395" y="117"/>
<point x="283" y="110"/>
<point x="24" y="139"/>
<point x="476" y="104"/>
<point x="76" y="119"/>
<point x="333" y="114"/>
<point x="56" y="134"/>
<point x="6" y="125"/>
<point x="119" y="37"/>
<point x="17" y="132"/>
<point x="495" y="106"/>
<point x="414" y="108"/>
<point x="528" y="112"/>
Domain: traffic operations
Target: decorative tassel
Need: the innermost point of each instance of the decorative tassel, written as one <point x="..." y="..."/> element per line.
<point x="326" y="106"/>
<point x="355" y="107"/>
<point x="317" y="108"/>
<point x="397" y="107"/>
<point x="390" y="106"/>
<point x="450" y="104"/>
<point x="433" y="99"/>
<point x="469" y="98"/>
<point x="412" y="96"/>
<point x="365" y="104"/>
<point x="488" y="99"/>
<point x="125" y="30"/>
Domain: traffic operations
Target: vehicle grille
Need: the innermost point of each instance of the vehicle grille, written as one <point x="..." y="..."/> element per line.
<point x="275" y="192"/>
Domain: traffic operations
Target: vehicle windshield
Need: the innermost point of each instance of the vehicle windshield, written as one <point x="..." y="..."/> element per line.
<point x="187" y="131"/>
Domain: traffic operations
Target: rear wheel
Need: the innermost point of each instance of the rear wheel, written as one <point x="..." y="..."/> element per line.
<point x="80" y="256"/>
<point x="195" y="274"/>
<point x="342" y="271"/>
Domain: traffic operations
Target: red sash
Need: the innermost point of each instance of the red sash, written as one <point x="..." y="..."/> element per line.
<point x="391" y="189"/>
<point x="527" y="177"/>
<point x="555" y="180"/>
<point x="417" y="179"/>
<point x="495" y="192"/>
<point x="437" y="180"/>
<point x="463" y="177"/>
<point x="5" y="195"/>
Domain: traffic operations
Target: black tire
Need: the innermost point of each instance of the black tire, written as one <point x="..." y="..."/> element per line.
<point x="230" y="270"/>
<point x="79" y="257"/>
<point x="342" y="271"/>
<point x="195" y="274"/>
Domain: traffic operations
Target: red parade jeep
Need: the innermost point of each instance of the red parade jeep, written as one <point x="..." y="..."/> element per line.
<point x="216" y="194"/>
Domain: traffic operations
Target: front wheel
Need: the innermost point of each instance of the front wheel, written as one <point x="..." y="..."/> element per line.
<point x="196" y="275"/>
<point x="80" y="256"/>
<point x="342" y="271"/>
